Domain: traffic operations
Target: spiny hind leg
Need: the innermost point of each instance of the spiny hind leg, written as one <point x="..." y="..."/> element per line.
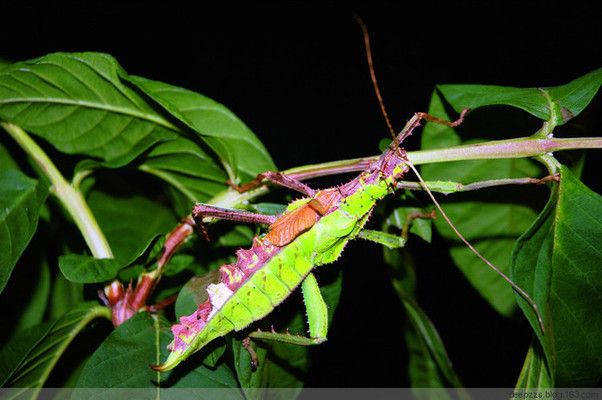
<point x="201" y="211"/>
<point x="277" y="178"/>
<point x="317" y="318"/>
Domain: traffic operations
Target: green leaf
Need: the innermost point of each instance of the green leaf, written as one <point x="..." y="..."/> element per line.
<point x="130" y="223"/>
<point x="571" y="98"/>
<point x="421" y="227"/>
<point x="27" y="360"/>
<point x="558" y="262"/>
<point x="429" y="364"/>
<point x="491" y="227"/>
<point x="4" y="63"/>
<point x="77" y="102"/>
<point x="64" y="296"/>
<point x="241" y="153"/>
<point x="535" y="373"/>
<point x="85" y="269"/>
<point x="181" y="163"/>
<point x="37" y="301"/>
<point x="123" y="361"/>
<point x="6" y="161"/>
<point x="20" y="200"/>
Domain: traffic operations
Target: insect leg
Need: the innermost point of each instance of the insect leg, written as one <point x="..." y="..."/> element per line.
<point x="392" y="241"/>
<point x="201" y="211"/>
<point x="276" y="178"/>
<point x="317" y="317"/>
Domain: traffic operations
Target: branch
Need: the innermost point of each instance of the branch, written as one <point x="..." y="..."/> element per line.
<point x="71" y="199"/>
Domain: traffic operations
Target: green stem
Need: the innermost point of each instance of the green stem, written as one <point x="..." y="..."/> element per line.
<point x="513" y="148"/>
<point x="448" y="187"/>
<point x="72" y="200"/>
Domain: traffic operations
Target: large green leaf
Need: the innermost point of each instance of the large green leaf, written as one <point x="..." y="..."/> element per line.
<point x="78" y="103"/>
<point x="558" y="261"/>
<point x="20" y="200"/>
<point x="492" y="227"/>
<point x="123" y="361"/>
<point x="570" y="99"/>
<point x="27" y="360"/>
<point x="239" y="150"/>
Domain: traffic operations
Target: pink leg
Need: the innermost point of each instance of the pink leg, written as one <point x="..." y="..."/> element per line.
<point x="277" y="178"/>
<point x="201" y="211"/>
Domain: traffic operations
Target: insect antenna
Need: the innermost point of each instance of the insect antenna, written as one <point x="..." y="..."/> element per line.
<point x="402" y="136"/>
<point x="381" y="103"/>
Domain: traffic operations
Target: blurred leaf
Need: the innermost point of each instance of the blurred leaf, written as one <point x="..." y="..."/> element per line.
<point x="558" y="261"/>
<point x="268" y="208"/>
<point x="6" y="161"/>
<point x="20" y="200"/>
<point x="491" y="227"/>
<point x="239" y="150"/>
<point x="240" y="235"/>
<point x="421" y="227"/>
<point x="535" y="373"/>
<point x="64" y="296"/>
<point x="37" y="303"/>
<point x="429" y="364"/>
<point x="27" y="360"/>
<point x="85" y="269"/>
<point x="77" y="102"/>
<point x="123" y="361"/>
<point x="571" y="98"/>
<point x="4" y="62"/>
<point x="130" y="223"/>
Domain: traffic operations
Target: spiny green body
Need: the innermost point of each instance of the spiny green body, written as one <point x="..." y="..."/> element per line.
<point x="266" y="274"/>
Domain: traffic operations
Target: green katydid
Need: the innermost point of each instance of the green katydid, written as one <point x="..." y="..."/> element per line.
<point x="312" y="231"/>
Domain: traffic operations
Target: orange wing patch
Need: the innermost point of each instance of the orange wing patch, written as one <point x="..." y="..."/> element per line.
<point x="286" y="228"/>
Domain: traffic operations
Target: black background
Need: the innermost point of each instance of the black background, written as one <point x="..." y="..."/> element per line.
<point x="297" y="75"/>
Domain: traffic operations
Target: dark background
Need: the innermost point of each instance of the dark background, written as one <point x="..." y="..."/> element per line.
<point x="297" y="75"/>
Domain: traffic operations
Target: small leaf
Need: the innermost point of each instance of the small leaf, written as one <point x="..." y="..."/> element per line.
<point x="85" y="269"/>
<point x="558" y="262"/>
<point x="20" y="200"/>
<point x="429" y="363"/>
<point x="535" y="373"/>
<point x="421" y="227"/>
<point x="27" y="360"/>
<point x="239" y="150"/>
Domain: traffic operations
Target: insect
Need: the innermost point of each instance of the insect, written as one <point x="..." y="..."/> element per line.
<point x="312" y="231"/>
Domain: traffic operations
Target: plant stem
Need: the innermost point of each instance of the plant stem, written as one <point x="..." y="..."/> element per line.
<point x="72" y="200"/>
<point x="447" y="187"/>
<point x="513" y="148"/>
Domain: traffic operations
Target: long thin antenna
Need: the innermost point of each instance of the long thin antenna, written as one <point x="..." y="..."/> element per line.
<point x="373" y="76"/>
<point x="431" y="118"/>
<point x="520" y="290"/>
